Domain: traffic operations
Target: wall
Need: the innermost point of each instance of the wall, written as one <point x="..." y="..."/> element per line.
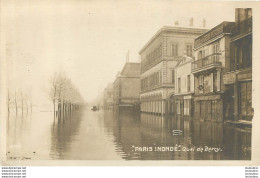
<point x="182" y="72"/>
<point x="181" y="40"/>
<point x="130" y="87"/>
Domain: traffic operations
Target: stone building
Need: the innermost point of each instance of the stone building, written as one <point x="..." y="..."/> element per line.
<point x="184" y="82"/>
<point x="212" y="60"/>
<point x="238" y="79"/>
<point x="127" y="86"/>
<point x="109" y="96"/>
<point x="158" y="58"/>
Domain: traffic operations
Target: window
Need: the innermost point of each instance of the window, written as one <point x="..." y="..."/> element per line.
<point x="160" y="77"/>
<point x="174" y="49"/>
<point x="245" y="100"/>
<point x="189" y="50"/>
<point x="188" y="83"/>
<point x="178" y="105"/>
<point x="215" y="81"/>
<point x="179" y="85"/>
<point x="201" y="83"/>
<point x="186" y="107"/>
<point x="215" y="49"/>
<point x="200" y="55"/>
<point x="173" y="77"/>
<point x="206" y="51"/>
<point x="244" y="53"/>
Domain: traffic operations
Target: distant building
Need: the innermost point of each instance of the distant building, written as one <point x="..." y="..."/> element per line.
<point x="212" y="56"/>
<point x="184" y="82"/>
<point x="109" y="96"/>
<point x="238" y="79"/>
<point x="158" y="58"/>
<point x="127" y="86"/>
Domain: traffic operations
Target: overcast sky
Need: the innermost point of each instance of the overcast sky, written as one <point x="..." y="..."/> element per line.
<point x="89" y="40"/>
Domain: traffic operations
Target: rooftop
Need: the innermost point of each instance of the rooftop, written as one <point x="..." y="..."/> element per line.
<point x="224" y="27"/>
<point x="177" y="30"/>
<point x="131" y="70"/>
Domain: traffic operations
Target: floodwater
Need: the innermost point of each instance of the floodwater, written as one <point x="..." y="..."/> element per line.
<point x="109" y="135"/>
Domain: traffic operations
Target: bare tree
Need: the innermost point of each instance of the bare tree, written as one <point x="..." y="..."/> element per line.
<point x="8" y="101"/>
<point x="31" y="106"/>
<point x="63" y="91"/>
<point x="22" y="98"/>
<point x="54" y="82"/>
<point x="15" y="102"/>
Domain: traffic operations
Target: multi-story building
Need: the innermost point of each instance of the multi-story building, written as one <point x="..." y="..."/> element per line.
<point x="158" y="58"/>
<point x="109" y="96"/>
<point x="127" y="86"/>
<point x="238" y="79"/>
<point x="212" y="56"/>
<point x="184" y="82"/>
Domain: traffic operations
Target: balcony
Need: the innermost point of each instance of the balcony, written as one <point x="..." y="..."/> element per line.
<point x="206" y="63"/>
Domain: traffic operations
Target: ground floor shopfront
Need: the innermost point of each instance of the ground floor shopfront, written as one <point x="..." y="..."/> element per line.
<point x="156" y="101"/>
<point x="239" y="94"/>
<point x="183" y="105"/>
<point x="234" y="104"/>
<point x="208" y="107"/>
<point x="240" y="104"/>
<point x="152" y="104"/>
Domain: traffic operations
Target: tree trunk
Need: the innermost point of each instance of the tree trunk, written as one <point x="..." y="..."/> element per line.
<point x="54" y="108"/>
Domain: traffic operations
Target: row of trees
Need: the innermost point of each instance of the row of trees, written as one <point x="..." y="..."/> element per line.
<point x="18" y="100"/>
<point x="63" y="94"/>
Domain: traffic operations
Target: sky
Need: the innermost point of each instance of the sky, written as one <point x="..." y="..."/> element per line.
<point x="89" y="40"/>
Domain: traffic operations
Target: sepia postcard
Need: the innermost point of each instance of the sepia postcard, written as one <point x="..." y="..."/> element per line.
<point x="131" y="83"/>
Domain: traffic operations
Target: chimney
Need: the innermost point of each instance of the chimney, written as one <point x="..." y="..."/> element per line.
<point x="176" y="23"/>
<point x="191" y="21"/>
<point x="204" y="23"/>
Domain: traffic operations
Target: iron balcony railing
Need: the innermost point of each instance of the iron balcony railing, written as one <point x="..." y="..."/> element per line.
<point x="210" y="60"/>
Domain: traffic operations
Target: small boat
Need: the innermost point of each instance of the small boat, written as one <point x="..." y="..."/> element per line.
<point x="95" y="108"/>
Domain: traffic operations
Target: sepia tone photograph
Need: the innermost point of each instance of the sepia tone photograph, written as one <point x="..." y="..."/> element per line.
<point x="128" y="80"/>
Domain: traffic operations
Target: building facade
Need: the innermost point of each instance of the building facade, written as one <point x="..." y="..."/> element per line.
<point x="212" y="56"/>
<point x="184" y="91"/>
<point x="158" y="57"/>
<point x="127" y="86"/>
<point x="108" y="96"/>
<point x="238" y="80"/>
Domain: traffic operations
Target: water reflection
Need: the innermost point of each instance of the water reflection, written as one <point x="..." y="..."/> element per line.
<point x="135" y="135"/>
<point x="63" y="131"/>
<point x="108" y="135"/>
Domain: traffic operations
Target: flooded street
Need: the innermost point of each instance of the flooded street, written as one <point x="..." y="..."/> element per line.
<point x="108" y="135"/>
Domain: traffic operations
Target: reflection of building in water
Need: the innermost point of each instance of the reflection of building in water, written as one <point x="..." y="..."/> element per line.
<point x="212" y="56"/>
<point x="207" y="135"/>
<point x="109" y="96"/>
<point x="182" y="99"/>
<point x="158" y="58"/>
<point x="128" y="134"/>
<point x="157" y="131"/>
<point x="127" y="86"/>
<point x="238" y="80"/>
<point x="237" y="143"/>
